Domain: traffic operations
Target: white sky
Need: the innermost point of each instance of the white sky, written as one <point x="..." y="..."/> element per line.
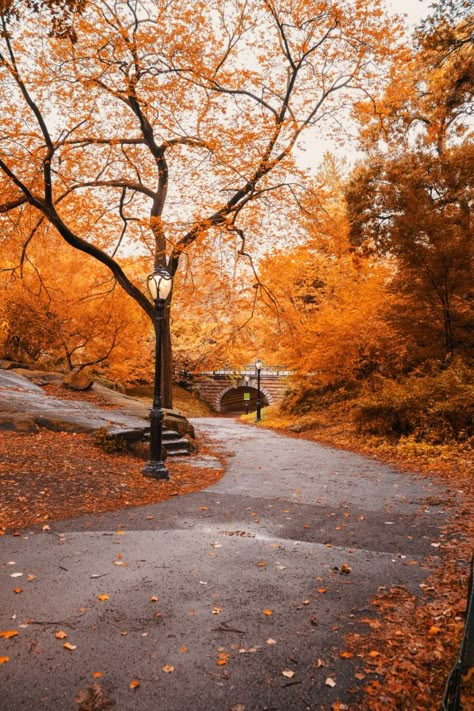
<point x="313" y="147"/>
<point x="413" y="9"/>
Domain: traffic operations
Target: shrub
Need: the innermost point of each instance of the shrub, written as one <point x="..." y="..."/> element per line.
<point x="434" y="408"/>
<point x="306" y="397"/>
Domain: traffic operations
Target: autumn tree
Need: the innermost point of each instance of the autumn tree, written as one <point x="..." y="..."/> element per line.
<point x="148" y="125"/>
<point x="214" y="303"/>
<point x="68" y="313"/>
<point x="332" y="299"/>
<point x="417" y="208"/>
<point x="413" y="198"/>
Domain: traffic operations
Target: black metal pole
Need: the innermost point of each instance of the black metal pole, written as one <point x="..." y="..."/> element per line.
<point x="259" y="403"/>
<point x="155" y="467"/>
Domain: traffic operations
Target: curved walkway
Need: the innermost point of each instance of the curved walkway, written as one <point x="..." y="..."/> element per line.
<point x="236" y="598"/>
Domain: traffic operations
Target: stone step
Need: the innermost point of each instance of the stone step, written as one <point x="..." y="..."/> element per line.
<point x="179" y="452"/>
<point x="174" y="444"/>
<point x="168" y="435"/>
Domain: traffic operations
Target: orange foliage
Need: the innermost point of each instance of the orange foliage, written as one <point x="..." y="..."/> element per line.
<point x="142" y="131"/>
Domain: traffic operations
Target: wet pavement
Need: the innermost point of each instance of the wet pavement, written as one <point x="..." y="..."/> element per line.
<point x="236" y="598"/>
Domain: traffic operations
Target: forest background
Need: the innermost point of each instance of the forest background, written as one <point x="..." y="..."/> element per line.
<point x="358" y="278"/>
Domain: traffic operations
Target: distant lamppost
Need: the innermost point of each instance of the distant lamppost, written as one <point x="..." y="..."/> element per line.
<point x="258" y="368"/>
<point x="247" y="394"/>
<point x="159" y="285"/>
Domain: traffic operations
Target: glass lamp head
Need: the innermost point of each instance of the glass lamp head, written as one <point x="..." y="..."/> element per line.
<point x="159" y="284"/>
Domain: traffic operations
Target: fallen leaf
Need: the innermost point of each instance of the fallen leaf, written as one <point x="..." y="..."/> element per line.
<point x="60" y="634"/>
<point x="183" y="649"/>
<point x="8" y="633"/>
<point x="345" y="569"/>
<point x="17" y="590"/>
<point x="97" y="675"/>
<point x="30" y="578"/>
<point x="330" y="682"/>
<point x="16" y="575"/>
<point x="268" y="612"/>
<point x="216" y="610"/>
<point x="69" y="646"/>
<point x="3" y="660"/>
<point x="222" y="658"/>
<point x="103" y="597"/>
<point x="288" y="673"/>
<point x="434" y="630"/>
<point x="322" y="590"/>
<point x="346" y="655"/>
<point x="261" y="564"/>
<point x="168" y="668"/>
<point x="374" y="653"/>
<point x="134" y="684"/>
<point x="154" y="599"/>
<point x="271" y="641"/>
<point x="120" y="533"/>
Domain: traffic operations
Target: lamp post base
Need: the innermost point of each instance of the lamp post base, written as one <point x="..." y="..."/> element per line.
<point x="155" y="470"/>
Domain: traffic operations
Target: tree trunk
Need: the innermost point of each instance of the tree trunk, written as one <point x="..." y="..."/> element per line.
<point x="166" y="362"/>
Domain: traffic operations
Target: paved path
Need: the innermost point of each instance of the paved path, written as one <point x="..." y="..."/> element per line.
<point x="270" y="536"/>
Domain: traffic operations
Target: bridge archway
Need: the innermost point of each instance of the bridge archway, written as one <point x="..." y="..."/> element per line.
<point x="232" y="399"/>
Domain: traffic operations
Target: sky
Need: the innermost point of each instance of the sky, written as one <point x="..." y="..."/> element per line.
<point x="413" y="9"/>
<point x="313" y="148"/>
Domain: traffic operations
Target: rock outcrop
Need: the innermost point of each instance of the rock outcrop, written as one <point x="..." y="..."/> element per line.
<point x="24" y="407"/>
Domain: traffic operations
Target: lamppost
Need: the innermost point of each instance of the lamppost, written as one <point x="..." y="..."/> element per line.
<point x="247" y="394"/>
<point x="159" y="285"/>
<point x="258" y="368"/>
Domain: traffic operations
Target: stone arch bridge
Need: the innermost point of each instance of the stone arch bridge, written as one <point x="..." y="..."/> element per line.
<point x="228" y="391"/>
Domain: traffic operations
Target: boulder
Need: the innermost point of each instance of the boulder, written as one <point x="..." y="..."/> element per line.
<point x="78" y="380"/>
<point x="11" y="422"/>
<point x="174" y="420"/>
<point x="10" y="364"/>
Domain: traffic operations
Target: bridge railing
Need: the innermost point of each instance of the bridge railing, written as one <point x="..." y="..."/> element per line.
<point x="267" y="370"/>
